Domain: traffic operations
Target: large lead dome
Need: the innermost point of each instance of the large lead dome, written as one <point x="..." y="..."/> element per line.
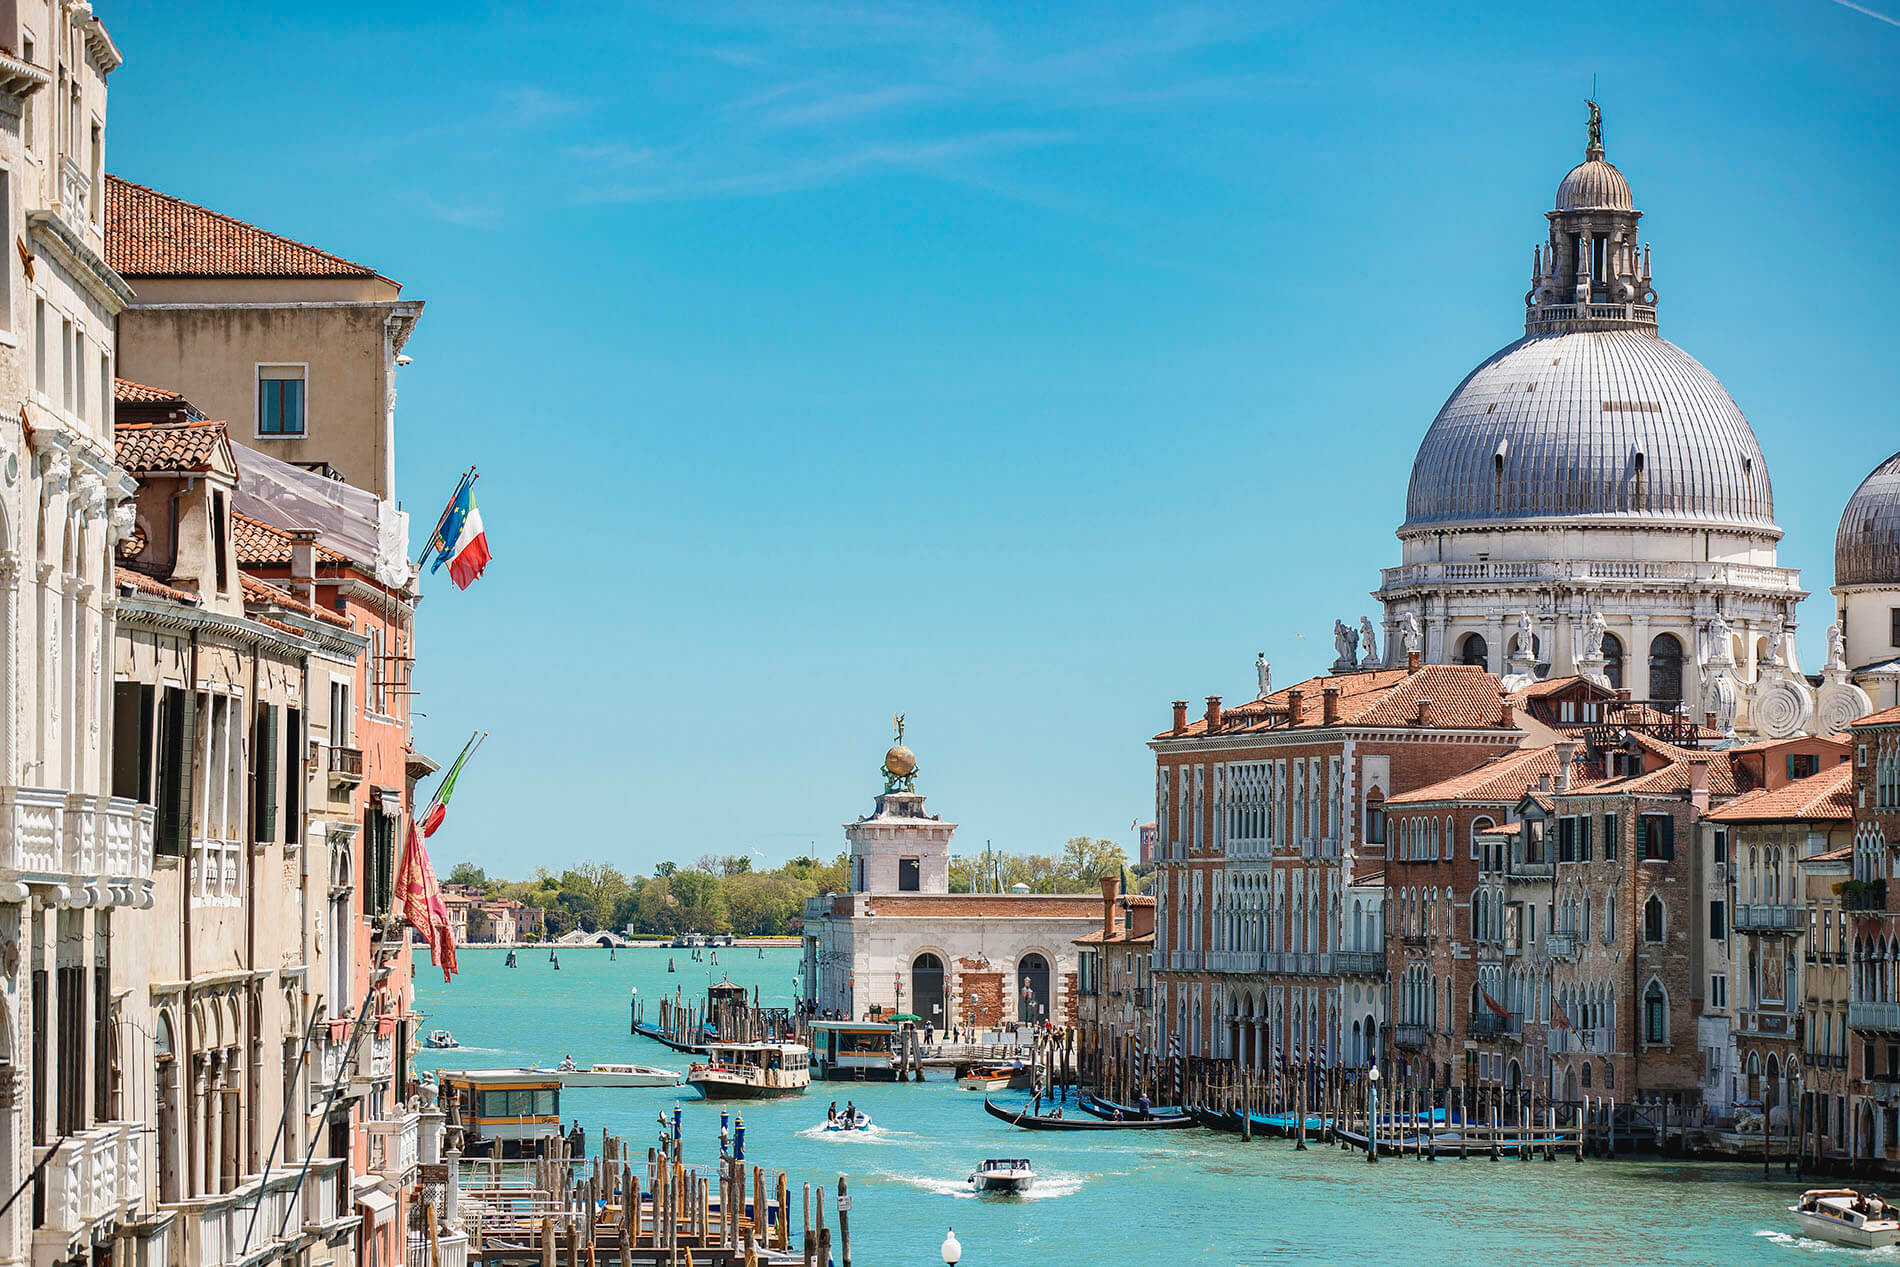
<point x="1867" y="547"/>
<point x="1617" y="424"/>
<point x="1592" y="415"/>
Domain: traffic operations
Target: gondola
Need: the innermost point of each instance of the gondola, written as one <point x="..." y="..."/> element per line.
<point x="1096" y="1106"/>
<point x="1027" y="1122"/>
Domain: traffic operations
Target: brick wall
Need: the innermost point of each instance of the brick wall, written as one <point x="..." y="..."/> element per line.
<point x="980" y="993"/>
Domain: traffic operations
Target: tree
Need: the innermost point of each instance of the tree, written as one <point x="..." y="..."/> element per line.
<point x="480" y="927"/>
<point x="665" y="869"/>
<point x="468" y="873"/>
<point x="1085" y="861"/>
<point x="601" y="882"/>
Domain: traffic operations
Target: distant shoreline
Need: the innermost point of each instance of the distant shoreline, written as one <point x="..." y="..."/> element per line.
<point x="654" y="943"/>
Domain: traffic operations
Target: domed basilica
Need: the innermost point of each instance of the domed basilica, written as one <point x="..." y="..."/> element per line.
<point x="1591" y="501"/>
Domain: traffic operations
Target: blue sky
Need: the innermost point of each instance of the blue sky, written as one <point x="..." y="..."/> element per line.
<point x="1017" y="371"/>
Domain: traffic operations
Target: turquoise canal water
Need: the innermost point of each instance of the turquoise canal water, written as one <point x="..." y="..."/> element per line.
<point x="1187" y="1199"/>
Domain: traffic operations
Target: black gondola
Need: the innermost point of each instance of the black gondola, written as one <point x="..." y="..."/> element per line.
<point x="1107" y="1109"/>
<point x="1027" y="1122"/>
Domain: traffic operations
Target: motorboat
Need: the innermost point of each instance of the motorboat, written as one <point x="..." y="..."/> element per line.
<point x="1003" y="1175"/>
<point x="440" y="1040"/>
<point x="1004" y="1077"/>
<point x="751" y="1071"/>
<point x="855" y="1120"/>
<point x="608" y="1075"/>
<point x="1847" y="1217"/>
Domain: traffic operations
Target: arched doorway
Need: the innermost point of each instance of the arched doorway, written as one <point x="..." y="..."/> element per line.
<point x="1032" y="987"/>
<point x="1473" y="650"/>
<point x="926" y="989"/>
<point x="1613" y="660"/>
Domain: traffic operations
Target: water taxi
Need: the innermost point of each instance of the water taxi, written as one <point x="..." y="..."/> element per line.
<point x="1004" y="1175"/>
<point x="854" y="1051"/>
<point x="1847" y="1217"/>
<point x="440" y="1040"/>
<point x="751" y="1071"/>
<point x="505" y="1112"/>
<point x="573" y="1075"/>
<point x="994" y="1078"/>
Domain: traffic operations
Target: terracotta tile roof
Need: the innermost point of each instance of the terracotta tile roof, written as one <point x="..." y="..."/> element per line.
<point x="1086" y="906"/>
<point x="150" y="234"/>
<point x="127" y="392"/>
<point x="262" y="545"/>
<point x="1502" y="829"/>
<point x="1120" y="937"/>
<point x="1824" y="797"/>
<point x="1885" y="717"/>
<point x="147" y="447"/>
<point x="262" y="591"/>
<point x="1501" y="779"/>
<point x="1844" y="854"/>
<point x="144" y="584"/>
<point x="1671" y="779"/>
<point x="1462" y="697"/>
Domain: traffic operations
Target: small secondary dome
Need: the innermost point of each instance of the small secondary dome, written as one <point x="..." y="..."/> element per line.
<point x="1594" y="185"/>
<point x="1867" y="547"/>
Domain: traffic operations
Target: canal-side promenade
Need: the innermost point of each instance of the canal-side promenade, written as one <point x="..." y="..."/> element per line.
<point x="1193" y="1198"/>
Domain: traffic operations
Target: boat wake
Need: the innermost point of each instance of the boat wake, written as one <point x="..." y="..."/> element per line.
<point x="1789" y="1240"/>
<point x="871" y="1134"/>
<point x="1047" y="1186"/>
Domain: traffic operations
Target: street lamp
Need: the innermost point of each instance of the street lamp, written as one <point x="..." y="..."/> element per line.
<point x="1372" y="1114"/>
<point x="952" y="1248"/>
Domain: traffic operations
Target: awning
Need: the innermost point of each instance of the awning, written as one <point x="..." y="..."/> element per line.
<point x="378" y="1209"/>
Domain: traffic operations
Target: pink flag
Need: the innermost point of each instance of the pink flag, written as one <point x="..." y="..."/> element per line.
<point x="421" y="897"/>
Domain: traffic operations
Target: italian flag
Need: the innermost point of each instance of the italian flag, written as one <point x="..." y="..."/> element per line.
<point x="439" y="805"/>
<point x="461" y="542"/>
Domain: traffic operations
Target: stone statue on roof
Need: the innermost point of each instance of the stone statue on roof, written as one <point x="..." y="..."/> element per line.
<point x="1836" y="648"/>
<point x="1524" y="645"/>
<point x="1777" y="636"/>
<point x="1593" y="632"/>
<point x="1368" y="643"/>
<point x="1264" y="672"/>
<point x="1596" y="125"/>
<point x="1346" y="643"/>
<point x="1411" y="637"/>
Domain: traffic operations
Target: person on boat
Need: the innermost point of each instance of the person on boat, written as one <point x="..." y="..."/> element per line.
<point x="1057" y="1115"/>
<point x="576" y="1140"/>
<point x="1142" y="1104"/>
<point x="831" y="1114"/>
<point x="1117" y="1117"/>
<point x="850" y="1113"/>
<point x="567" y="1063"/>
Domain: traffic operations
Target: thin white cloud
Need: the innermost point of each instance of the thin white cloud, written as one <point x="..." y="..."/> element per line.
<point x="848" y="105"/>
<point x="611" y="153"/>
<point x="1874" y="14"/>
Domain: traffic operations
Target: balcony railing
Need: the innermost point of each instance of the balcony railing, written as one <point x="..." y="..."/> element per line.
<point x="451" y="1250"/>
<point x="241" y="1226"/>
<point x="1142" y="995"/>
<point x="1759" y="917"/>
<point x="1865" y="896"/>
<point x="91" y="1176"/>
<point x="345" y="764"/>
<point x="1530" y="870"/>
<point x="1488" y="1024"/>
<point x="395" y="1147"/>
<point x="1881" y="1017"/>
<point x="327" y="1209"/>
<point x="375" y="1056"/>
<point x="1411" y="1037"/>
<point x="1361" y="963"/>
<point x="101" y="843"/>
<point x="1561" y="945"/>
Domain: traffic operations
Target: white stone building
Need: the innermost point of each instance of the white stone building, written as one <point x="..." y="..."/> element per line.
<point x="900" y="941"/>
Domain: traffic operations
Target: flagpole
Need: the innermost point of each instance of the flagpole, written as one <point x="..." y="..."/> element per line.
<point x="475" y="741"/>
<point x="467" y="481"/>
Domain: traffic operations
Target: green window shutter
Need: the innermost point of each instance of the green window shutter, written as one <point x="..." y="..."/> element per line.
<point x="264" y="776"/>
<point x="172" y="835"/>
<point x="1609" y="837"/>
<point x="1583" y="838"/>
<point x="1668" y="826"/>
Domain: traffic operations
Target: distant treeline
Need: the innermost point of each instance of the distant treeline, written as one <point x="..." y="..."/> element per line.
<point x="726" y="895"/>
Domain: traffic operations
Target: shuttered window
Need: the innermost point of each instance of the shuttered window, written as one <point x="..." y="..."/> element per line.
<point x="179" y="724"/>
<point x="264" y="775"/>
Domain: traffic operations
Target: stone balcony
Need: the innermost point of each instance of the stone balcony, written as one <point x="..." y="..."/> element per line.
<point x="1747" y="575"/>
<point x="329" y="1213"/>
<point x="395" y="1148"/>
<point x="1762" y="917"/>
<point x="1360" y="963"/>
<point x="259" y="1221"/>
<point x="1878" y="1017"/>
<point x="89" y="1179"/>
<point x="1410" y="1037"/>
<point x="1561" y="945"/>
<point x="90" y="850"/>
<point x="375" y="1056"/>
<point x="451" y="1250"/>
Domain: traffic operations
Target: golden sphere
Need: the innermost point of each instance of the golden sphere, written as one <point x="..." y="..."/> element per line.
<point x="900" y="761"/>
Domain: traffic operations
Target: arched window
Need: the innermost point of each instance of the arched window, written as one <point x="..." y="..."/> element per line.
<point x="1665" y="669"/>
<point x="1655" y="1014"/>
<point x="1479" y="826"/>
<point x="1586" y="1075"/>
<point x="1032" y="987"/>
<point x="926" y="989"/>
<point x="1653" y="919"/>
<point x="1613" y="660"/>
<point x="1474" y="651"/>
<point x="1375" y="817"/>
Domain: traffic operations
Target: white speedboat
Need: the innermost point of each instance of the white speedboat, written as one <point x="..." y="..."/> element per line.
<point x="857" y="1120"/>
<point x="1847" y="1217"/>
<point x="572" y="1075"/>
<point x="440" y="1040"/>
<point x="1003" y="1175"/>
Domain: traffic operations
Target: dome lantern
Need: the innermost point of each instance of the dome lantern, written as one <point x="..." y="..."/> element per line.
<point x="1591" y="273"/>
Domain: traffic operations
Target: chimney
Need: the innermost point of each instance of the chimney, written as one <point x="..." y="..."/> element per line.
<point x="1180" y="716"/>
<point x="1412" y="660"/>
<point x="1699" y="785"/>
<point x="1329" y="704"/>
<point x="1111" y="889"/>
<point x="1425" y="711"/>
<point x="1507" y="713"/>
<point x="1566" y="754"/>
<point x="1213" y="712"/>
<point x="1543" y="783"/>
<point x="303" y="566"/>
<point x="1295" y="698"/>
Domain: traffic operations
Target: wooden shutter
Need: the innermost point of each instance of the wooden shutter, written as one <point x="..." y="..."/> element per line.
<point x="1583" y="839"/>
<point x="126" y="748"/>
<point x="264" y="775"/>
<point x="172" y="837"/>
<point x="296" y="775"/>
<point x="1609" y="837"/>
<point x="1668" y="827"/>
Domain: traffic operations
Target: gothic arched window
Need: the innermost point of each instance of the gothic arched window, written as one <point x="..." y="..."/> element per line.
<point x="1653" y="919"/>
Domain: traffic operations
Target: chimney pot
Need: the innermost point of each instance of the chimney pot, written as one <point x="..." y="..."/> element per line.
<point x="1295" y="698"/>
<point x="303" y="565"/>
<point x="1213" y="712"/>
<point x="1509" y="714"/>
<point x="1566" y="754"/>
<point x="1543" y="783"/>
<point x="1111" y="889"/>
<point x="1425" y="711"/>
<point x="1180" y="716"/>
<point x="1412" y="660"/>
<point x="1329" y="704"/>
